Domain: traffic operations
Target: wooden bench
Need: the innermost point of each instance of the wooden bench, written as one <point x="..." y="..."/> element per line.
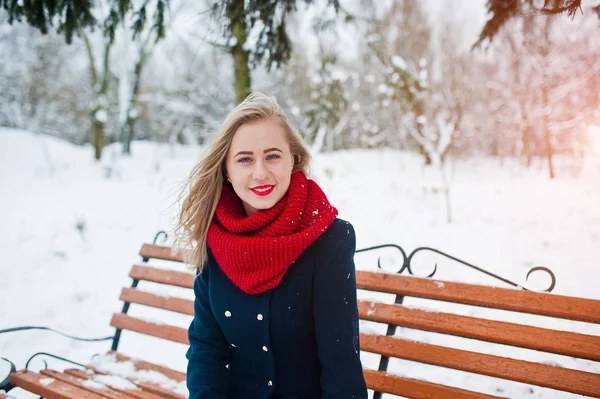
<point x="98" y="381"/>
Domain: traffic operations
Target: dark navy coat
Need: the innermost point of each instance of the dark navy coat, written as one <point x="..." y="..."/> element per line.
<point x="296" y="341"/>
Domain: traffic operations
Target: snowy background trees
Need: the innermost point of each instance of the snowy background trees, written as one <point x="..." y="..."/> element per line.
<point x="358" y="74"/>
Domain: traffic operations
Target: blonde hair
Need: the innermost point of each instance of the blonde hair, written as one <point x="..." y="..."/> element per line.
<point x="206" y="179"/>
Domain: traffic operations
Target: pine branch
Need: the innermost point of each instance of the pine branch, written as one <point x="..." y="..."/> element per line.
<point x="501" y="11"/>
<point x="73" y="15"/>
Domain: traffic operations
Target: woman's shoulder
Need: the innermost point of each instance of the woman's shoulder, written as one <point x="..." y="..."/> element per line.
<point x="340" y="231"/>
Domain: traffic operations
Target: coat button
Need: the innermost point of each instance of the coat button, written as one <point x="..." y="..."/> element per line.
<point x="265" y="349"/>
<point x="270" y="383"/>
<point x="259" y="317"/>
<point x="227" y="313"/>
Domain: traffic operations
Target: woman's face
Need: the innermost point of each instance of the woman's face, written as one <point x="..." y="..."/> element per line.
<point x="259" y="164"/>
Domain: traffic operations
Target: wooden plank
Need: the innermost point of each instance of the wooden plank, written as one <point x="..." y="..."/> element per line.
<point x="130" y="393"/>
<point x="162" y="252"/>
<point x="78" y="382"/>
<point x="143" y="365"/>
<point x="150" y="390"/>
<point x="560" y="378"/>
<point x="560" y="306"/>
<point x="416" y="389"/>
<point x="156" y="389"/>
<point x="577" y="345"/>
<point x="179" y="305"/>
<point x="162" y="276"/>
<point x="164" y="331"/>
<point x="50" y="388"/>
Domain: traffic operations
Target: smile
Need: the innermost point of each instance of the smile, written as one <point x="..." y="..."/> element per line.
<point x="262" y="191"/>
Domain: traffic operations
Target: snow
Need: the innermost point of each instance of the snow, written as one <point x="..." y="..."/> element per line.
<point x="101" y="115"/>
<point x="93" y="384"/>
<point x="115" y="382"/>
<point x="399" y="62"/>
<point x="109" y="364"/>
<point x="70" y="235"/>
<point x="46" y="381"/>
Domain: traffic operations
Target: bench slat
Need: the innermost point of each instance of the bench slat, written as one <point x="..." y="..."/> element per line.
<point x="560" y="306"/>
<point x="162" y="276"/>
<point x="55" y="389"/>
<point x="76" y="381"/>
<point x="131" y="393"/>
<point x="150" y="389"/>
<point x="417" y="389"/>
<point x="552" y="341"/>
<point x="164" y="331"/>
<point x="157" y="390"/>
<point x="144" y="365"/>
<point x="179" y="305"/>
<point x="153" y="251"/>
<point x="568" y="380"/>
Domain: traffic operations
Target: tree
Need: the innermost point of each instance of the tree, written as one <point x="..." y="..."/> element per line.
<point x="240" y="17"/>
<point x="541" y="77"/>
<point x="131" y="60"/>
<point x="73" y="15"/>
<point x="99" y="81"/>
<point x="255" y="32"/>
<point x="29" y="98"/>
<point x="501" y="11"/>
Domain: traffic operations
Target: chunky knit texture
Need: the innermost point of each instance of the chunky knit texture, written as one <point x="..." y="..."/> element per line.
<point x="255" y="251"/>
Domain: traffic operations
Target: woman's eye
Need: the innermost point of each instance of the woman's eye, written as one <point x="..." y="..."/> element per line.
<point x="244" y="159"/>
<point x="273" y="156"/>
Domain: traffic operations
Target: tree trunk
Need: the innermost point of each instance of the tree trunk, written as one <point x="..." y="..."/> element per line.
<point x="545" y="120"/>
<point x="127" y="130"/>
<point x="99" y="82"/>
<point x="526" y="138"/>
<point x="548" y="143"/>
<point x="241" y="57"/>
<point x="545" y="102"/>
<point x="98" y="129"/>
<point x="425" y="154"/>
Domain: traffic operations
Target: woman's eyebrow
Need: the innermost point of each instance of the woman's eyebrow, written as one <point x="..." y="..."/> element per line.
<point x="251" y="153"/>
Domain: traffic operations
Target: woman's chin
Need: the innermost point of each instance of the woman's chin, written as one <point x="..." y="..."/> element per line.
<point x="263" y="206"/>
<point x="257" y="206"/>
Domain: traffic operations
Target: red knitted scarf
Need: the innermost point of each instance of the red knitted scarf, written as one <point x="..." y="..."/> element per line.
<point x="255" y="251"/>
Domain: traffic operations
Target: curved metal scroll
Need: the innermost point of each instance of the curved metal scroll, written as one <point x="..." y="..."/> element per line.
<point x="53" y="356"/>
<point x="160" y="233"/>
<point x="406" y="265"/>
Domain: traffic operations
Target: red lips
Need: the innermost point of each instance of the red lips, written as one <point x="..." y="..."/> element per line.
<point x="263" y="191"/>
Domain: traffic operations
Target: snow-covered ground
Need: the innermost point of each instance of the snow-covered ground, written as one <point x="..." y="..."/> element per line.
<point x="70" y="230"/>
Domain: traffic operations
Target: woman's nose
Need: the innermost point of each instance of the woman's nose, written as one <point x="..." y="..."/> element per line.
<point x="259" y="172"/>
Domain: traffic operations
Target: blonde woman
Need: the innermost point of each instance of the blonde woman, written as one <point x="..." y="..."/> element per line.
<point x="275" y="314"/>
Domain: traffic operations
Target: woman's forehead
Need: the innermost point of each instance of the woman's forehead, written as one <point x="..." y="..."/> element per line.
<point x="259" y="135"/>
